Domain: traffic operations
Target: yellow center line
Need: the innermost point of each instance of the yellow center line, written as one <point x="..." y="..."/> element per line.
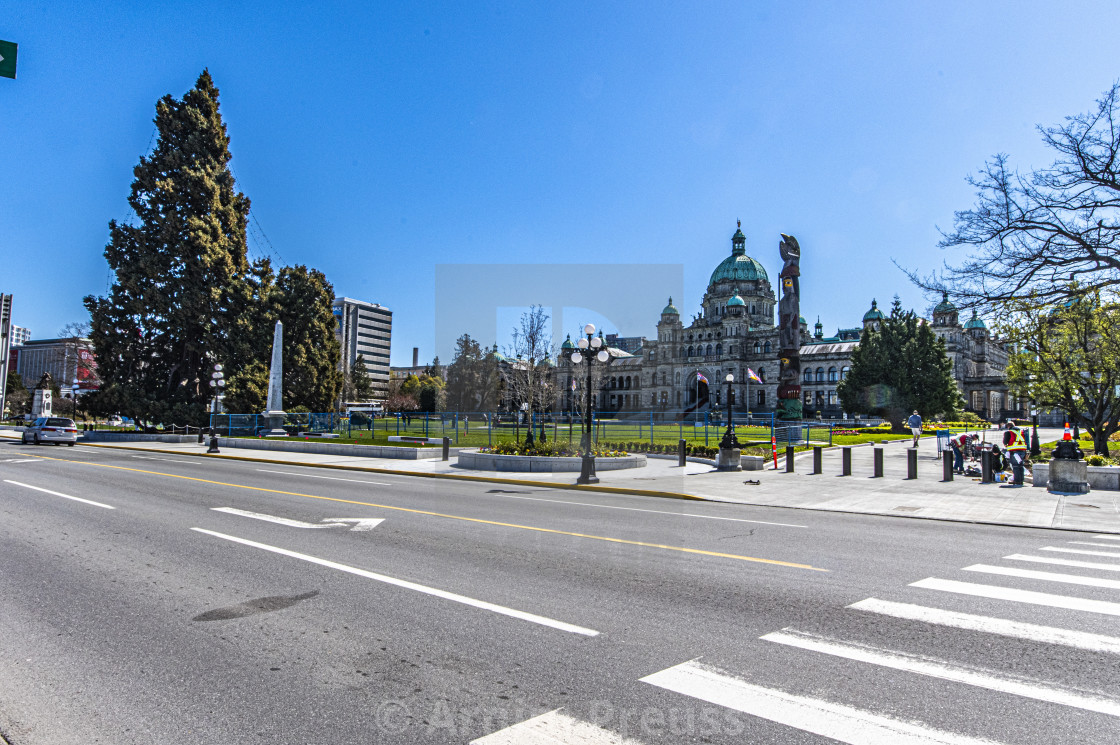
<point x="450" y="517"/>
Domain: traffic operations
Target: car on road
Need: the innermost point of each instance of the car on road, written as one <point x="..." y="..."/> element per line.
<point x="51" y="429"/>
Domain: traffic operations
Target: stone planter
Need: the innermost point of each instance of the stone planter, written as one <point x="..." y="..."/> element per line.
<point x="1104" y="478"/>
<point x="477" y="461"/>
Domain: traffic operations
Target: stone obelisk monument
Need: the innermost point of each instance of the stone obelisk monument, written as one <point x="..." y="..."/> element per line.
<point x="274" y="415"/>
<point x="789" y="331"/>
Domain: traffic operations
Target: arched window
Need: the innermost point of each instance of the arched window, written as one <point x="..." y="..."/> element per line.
<point x="820" y="374"/>
<point x="709" y="350"/>
<point x="652" y="355"/>
<point x="752" y="309"/>
<point x="757" y="348"/>
<point x="719" y="349"/>
<point x="808" y="376"/>
<point x="678" y="377"/>
<point x="766" y="348"/>
<point x="844" y="372"/>
<point x="762" y="374"/>
<point x="662" y="377"/>
<point x="690" y="351"/>
<point x="628" y="381"/>
<point x="832" y="375"/>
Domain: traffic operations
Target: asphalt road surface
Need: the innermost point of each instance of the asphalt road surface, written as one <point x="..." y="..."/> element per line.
<point x="155" y="599"/>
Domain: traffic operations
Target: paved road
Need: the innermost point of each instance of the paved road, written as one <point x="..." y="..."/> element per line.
<point x="154" y="599"/>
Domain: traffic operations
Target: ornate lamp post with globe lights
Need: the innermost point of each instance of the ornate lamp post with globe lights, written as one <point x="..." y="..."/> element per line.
<point x="729" y="450"/>
<point x="588" y="348"/>
<point x="217" y="382"/>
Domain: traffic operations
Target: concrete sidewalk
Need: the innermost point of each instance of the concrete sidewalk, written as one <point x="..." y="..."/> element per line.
<point x="964" y="499"/>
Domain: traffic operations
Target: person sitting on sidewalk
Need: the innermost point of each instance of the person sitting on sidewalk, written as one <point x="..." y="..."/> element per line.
<point x="1016" y="448"/>
<point x="915" y="422"/>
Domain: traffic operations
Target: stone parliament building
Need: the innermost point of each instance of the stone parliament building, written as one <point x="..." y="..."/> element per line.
<point x="682" y="371"/>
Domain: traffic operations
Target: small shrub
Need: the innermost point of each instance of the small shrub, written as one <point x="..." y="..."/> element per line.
<point x="1096" y="460"/>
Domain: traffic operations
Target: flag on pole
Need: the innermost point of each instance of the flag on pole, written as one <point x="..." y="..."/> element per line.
<point x="573" y="384"/>
<point x="701" y="378"/>
<point x="751" y="374"/>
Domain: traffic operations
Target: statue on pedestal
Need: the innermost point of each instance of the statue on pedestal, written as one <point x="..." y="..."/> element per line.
<point x="41" y="404"/>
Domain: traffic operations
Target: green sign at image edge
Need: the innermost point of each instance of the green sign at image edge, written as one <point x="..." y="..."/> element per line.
<point x="8" y="59"/>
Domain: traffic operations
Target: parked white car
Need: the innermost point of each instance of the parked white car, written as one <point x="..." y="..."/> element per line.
<point x="51" y="429"/>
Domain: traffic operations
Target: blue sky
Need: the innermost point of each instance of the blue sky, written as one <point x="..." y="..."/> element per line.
<point x="379" y="140"/>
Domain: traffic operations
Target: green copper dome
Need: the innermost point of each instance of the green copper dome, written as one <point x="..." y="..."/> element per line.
<point x="874" y="314"/>
<point x="946" y="305"/>
<point x="670" y="308"/>
<point x="976" y="322"/>
<point x="738" y="268"/>
<point x="568" y="343"/>
<point x="736" y="300"/>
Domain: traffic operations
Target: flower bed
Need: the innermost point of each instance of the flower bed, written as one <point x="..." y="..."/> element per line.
<point x="492" y="461"/>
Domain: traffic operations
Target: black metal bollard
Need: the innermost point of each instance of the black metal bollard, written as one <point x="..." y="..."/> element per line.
<point x="201" y="432"/>
<point x="947" y="467"/>
<point x="446" y="448"/>
<point x="846" y="460"/>
<point x="986" y="467"/>
<point x="878" y="458"/>
<point x="911" y="463"/>
<point x="789" y="458"/>
<point x="680" y="452"/>
<point x="817" y="455"/>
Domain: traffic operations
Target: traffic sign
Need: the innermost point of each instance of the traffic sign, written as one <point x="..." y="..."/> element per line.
<point x="8" y="59"/>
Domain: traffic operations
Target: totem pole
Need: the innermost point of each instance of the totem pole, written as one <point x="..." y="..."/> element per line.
<point x="789" y="331"/>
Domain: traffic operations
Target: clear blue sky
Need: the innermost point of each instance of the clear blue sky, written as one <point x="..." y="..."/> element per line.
<point x="377" y="140"/>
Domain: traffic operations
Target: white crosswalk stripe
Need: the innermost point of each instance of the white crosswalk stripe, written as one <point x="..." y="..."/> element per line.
<point x="834" y="721"/>
<point x="988" y="625"/>
<point x="1063" y="550"/>
<point x="1065" y="562"/>
<point x="553" y="728"/>
<point x="1020" y="596"/>
<point x="1090" y="543"/>
<point x="1071" y="579"/>
<point x="946" y="671"/>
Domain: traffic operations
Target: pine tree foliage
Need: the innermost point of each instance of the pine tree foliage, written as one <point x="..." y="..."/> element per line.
<point x="472" y="377"/>
<point x="178" y="269"/>
<point x="303" y="301"/>
<point x="359" y="385"/>
<point x="898" y="369"/>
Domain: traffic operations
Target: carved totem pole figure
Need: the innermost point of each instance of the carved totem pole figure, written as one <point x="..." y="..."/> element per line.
<point x="789" y="331"/>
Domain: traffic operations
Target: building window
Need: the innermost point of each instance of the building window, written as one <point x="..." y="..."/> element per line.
<point x="832" y="398"/>
<point x="820" y="374"/>
<point x="678" y="377"/>
<point x="663" y="376"/>
<point x="844" y="372"/>
<point x="808" y="376"/>
<point x="808" y="398"/>
<point x="709" y="350"/>
<point x="757" y="347"/>
<point x="652" y="355"/>
<point x="761" y="398"/>
<point x="762" y="374"/>
<point x="719" y="349"/>
<point x="766" y="348"/>
<point x="690" y="351"/>
<point x="832" y="375"/>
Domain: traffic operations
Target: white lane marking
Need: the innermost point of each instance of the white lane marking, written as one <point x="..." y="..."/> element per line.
<point x="936" y="668"/>
<point x="553" y="728"/>
<point x="60" y="494"/>
<point x="360" y="523"/>
<point x="988" y="625"/>
<point x="559" y="501"/>
<point x="1071" y="579"/>
<point x="1100" y="545"/>
<point x="1019" y="596"/>
<point x="329" y="478"/>
<point x="532" y="618"/>
<point x="169" y="460"/>
<point x="273" y="519"/>
<point x="1065" y="562"/>
<point x="824" y="718"/>
<point x="1086" y="552"/>
<point x="24" y="460"/>
<point x="1109" y="537"/>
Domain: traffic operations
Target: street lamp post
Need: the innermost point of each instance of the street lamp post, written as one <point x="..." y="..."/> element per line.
<point x="587" y="349"/>
<point x="217" y="382"/>
<point x="729" y="449"/>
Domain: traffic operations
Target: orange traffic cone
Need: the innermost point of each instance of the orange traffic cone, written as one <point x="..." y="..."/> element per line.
<point x="774" y="450"/>
<point x="1068" y="435"/>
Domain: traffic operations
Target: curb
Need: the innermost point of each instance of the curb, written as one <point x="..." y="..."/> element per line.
<point x="451" y="476"/>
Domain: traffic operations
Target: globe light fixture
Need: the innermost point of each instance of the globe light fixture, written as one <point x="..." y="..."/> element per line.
<point x="586" y="350"/>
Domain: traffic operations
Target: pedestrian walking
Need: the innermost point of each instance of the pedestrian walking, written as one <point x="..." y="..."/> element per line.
<point x="1016" y="447"/>
<point x="915" y="422"/>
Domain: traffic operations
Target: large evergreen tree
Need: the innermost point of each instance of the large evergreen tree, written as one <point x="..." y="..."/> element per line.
<point x="898" y="369"/>
<point x="303" y="301"/>
<point x="359" y="385"/>
<point x="471" y="377"/>
<point x="173" y="308"/>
